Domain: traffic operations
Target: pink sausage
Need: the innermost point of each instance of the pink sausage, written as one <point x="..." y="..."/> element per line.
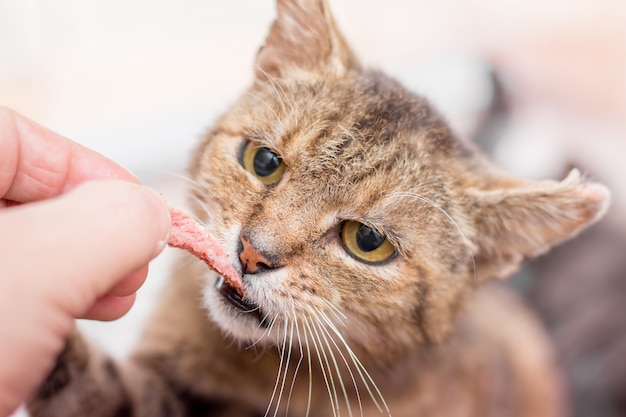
<point x="189" y="235"/>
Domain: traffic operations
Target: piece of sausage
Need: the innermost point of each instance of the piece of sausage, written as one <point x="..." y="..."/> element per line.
<point x="189" y="235"/>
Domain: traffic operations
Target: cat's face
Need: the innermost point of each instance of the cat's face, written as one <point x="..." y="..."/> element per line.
<point x="352" y="211"/>
<point x="336" y="182"/>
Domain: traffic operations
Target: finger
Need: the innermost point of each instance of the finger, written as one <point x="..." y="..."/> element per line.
<point x="130" y="284"/>
<point x="77" y="247"/>
<point x="36" y="163"/>
<point x="109" y="307"/>
<point x="118" y="299"/>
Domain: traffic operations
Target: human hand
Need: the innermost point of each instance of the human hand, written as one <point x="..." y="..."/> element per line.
<point x="69" y="247"/>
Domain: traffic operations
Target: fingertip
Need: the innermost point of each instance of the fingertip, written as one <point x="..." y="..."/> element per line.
<point x="130" y="284"/>
<point x="162" y="214"/>
<point x="109" y="307"/>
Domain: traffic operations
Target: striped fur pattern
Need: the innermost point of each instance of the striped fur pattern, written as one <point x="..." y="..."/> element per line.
<point x="426" y="333"/>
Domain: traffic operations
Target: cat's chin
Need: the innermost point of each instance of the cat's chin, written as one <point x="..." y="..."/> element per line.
<point x="235" y="315"/>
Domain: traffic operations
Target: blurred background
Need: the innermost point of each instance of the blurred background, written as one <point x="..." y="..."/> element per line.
<point x="540" y="84"/>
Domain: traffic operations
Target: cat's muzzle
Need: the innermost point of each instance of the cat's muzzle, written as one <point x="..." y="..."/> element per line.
<point x="244" y="305"/>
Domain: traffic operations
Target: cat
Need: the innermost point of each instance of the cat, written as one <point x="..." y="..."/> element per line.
<point x="370" y="239"/>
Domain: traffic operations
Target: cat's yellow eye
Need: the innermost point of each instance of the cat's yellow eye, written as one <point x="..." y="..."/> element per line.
<point x="262" y="163"/>
<point x="365" y="243"/>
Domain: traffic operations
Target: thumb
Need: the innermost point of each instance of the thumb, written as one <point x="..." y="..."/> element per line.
<point x="78" y="246"/>
<point x="56" y="258"/>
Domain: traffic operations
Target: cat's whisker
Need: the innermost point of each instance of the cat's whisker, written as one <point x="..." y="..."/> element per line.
<point x="324" y="348"/>
<point x="466" y="242"/>
<point x="368" y="381"/>
<point x="295" y="322"/>
<point x="330" y="387"/>
<point x="266" y="104"/>
<point x="209" y="214"/>
<point x="291" y="324"/>
<point x="310" y="366"/>
<point x="326" y="352"/>
<point x="173" y="174"/>
<point x="259" y="120"/>
<point x="340" y="315"/>
<point x="266" y="332"/>
<point x="281" y="354"/>
<point x="329" y="324"/>
<point x="198" y="193"/>
<point x="288" y="95"/>
<point x="196" y="188"/>
<point x="276" y="86"/>
<point x="270" y="327"/>
<point x="325" y="335"/>
<point x="288" y="360"/>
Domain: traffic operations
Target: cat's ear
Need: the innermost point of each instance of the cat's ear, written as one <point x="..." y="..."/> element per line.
<point x="303" y="36"/>
<point x="520" y="220"/>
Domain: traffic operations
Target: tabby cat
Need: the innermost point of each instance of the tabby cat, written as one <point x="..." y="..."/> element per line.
<point x="368" y="236"/>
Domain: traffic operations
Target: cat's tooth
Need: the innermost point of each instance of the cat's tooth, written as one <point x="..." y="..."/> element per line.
<point x="219" y="282"/>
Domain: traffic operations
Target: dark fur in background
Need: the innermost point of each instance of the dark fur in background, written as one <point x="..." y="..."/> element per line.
<point x="579" y="291"/>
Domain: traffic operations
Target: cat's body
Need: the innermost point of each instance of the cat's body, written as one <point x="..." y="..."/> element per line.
<point x="488" y="367"/>
<point x="365" y="232"/>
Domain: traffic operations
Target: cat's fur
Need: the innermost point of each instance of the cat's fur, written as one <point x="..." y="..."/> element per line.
<point x="424" y="334"/>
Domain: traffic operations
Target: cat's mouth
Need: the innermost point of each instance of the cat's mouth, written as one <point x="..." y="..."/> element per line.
<point x="244" y="305"/>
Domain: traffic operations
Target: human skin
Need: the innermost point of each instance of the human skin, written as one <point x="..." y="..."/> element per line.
<point x="77" y="233"/>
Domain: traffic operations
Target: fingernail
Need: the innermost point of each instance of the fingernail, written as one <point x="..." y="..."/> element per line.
<point x="164" y="221"/>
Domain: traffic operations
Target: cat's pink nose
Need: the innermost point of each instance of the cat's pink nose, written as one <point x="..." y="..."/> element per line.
<point x="251" y="260"/>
